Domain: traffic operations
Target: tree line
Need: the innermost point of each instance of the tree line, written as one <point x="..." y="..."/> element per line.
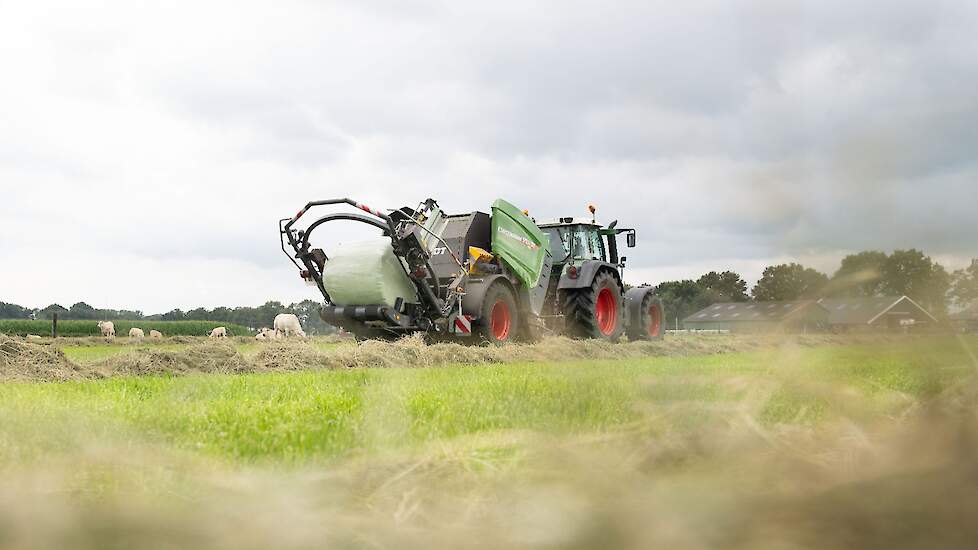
<point x="871" y="273"/>
<point x="252" y="317"/>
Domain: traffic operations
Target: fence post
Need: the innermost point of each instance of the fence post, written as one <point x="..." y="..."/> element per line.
<point x="54" y="325"/>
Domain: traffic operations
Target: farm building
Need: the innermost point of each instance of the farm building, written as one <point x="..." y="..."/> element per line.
<point x="883" y="313"/>
<point x="887" y="313"/>
<point x="965" y="320"/>
<point x="795" y="316"/>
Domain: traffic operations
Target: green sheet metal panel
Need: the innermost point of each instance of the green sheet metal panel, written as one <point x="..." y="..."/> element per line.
<point x="518" y="242"/>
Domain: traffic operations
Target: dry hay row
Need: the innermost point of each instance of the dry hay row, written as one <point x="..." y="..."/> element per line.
<point x="125" y="341"/>
<point x="21" y="360"/>
<point x="26" y="361"/>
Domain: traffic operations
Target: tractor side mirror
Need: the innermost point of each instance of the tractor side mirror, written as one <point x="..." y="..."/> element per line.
<point x="630" y="239"/>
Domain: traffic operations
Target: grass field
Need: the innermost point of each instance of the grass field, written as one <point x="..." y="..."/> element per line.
<point x="638" y="452"/>
<point x="311" y="416"/>
<point x="77" y="328"/>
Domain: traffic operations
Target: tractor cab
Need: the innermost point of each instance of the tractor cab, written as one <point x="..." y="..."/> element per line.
<point x="574" y="241"/>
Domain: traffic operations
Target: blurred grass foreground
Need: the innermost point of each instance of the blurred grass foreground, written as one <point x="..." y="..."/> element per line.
<point x="866" y="443"/>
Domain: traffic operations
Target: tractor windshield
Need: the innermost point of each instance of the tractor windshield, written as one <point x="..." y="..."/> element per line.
<point x="575" y="242"/>
<point x="559" y="245"/>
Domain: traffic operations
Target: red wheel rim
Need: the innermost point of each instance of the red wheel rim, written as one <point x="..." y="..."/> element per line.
<point x="500" y="320"/>
<point x="655" y="320"/>
<point x="606" y="310"/>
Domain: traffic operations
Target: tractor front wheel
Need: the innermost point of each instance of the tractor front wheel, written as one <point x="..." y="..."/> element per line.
<point x="499" y="319"/>
<point x="595" y="311"/>
<point x="649" y="322"/>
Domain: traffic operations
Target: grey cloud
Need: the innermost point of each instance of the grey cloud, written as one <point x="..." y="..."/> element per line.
<point x="720" y="130"/>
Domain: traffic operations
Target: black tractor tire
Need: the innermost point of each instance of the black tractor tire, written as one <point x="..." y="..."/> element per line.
<point x="596" y="311"/>
<point x="532" y="328"/>
<point x="499" y="316"/>
<point x="649" y="322"/>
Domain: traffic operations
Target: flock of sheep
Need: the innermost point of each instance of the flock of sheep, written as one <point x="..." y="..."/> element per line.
<point x="286" y="325"/>
<point x="108" y="330"/>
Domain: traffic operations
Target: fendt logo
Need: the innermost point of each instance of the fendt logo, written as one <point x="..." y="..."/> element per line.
<point x="523" y="240"/>
<point x="439" y="250"/>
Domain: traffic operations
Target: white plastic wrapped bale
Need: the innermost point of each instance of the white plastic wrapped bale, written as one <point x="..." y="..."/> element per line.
<point x="366" y="273"/>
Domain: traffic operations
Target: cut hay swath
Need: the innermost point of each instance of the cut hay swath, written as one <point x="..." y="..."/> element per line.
<point x="44" y="362"/>
<point x="28" y="362"/>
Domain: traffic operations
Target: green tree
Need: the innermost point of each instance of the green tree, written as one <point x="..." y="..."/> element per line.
<point x="680" y="299"/>
<point x="265" y="314"/>
<point x="244" y="315"/>
<point x="173" y="315"/>
<point x="789" y="282"/>
<point x="725" y="287"/>
<point x="911" y="273"/>
<point x="48" y="312"/>
<point x="13" y="311"/>
<point x="220" y="314"/>
<point x="128" y="314"/>
<point x="964" y="285"/>
<point x="860" y="275"/>
<point x="81" y="310"/>
<point x="200" y="314"/>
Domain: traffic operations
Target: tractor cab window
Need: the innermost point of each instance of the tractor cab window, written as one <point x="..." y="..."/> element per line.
<point x="559" y="242"/>
<point x="595" y="244"/>
<point x="582" y="248"/>
<point x="575" y="242"/>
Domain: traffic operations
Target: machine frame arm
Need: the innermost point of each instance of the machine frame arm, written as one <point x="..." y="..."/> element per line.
<point x="299" y="241"/>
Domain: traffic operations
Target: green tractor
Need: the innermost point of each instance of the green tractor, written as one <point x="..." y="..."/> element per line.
<point x="494" y="278"/>
<point x="587" y="297"/>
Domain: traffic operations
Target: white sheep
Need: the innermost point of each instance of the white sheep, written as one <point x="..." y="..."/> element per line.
<point x="219" y="332"/>
<point x="287" y="324"/>
<point x="136" y="333"/>
<point x="155" y="334"/>
<point x="33" y="338"/>
<point x="265" y="334"/>
<point x="107" y="328"/>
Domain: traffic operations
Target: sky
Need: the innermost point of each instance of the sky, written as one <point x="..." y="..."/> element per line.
<point x="147" y="149"/>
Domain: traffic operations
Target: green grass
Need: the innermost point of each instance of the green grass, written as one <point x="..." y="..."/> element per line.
<point x="788" y="447"/>
<point x="71" y="328"/>
<point x="322" y="415"/>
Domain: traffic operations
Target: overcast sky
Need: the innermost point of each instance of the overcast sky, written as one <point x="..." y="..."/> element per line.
<point x="148" y="149"/>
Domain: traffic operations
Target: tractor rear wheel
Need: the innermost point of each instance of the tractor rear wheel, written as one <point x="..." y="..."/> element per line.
<point x="649" y="324"/>
<point x="499" y="319"/>
<point x="595" y="311"/>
